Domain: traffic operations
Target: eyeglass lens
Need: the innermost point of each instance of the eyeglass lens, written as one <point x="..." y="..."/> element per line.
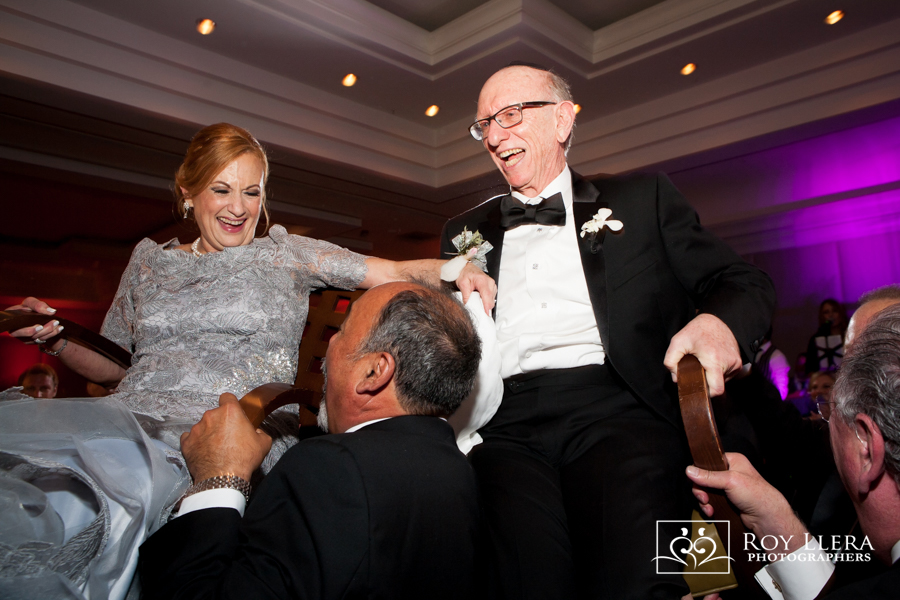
<point x="509" y="116"/>
<point x="824" y="408"/>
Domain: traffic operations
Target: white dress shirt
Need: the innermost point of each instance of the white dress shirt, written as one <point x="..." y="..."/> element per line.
<point x="545" y="319"/>
<point x="805" y="574"/>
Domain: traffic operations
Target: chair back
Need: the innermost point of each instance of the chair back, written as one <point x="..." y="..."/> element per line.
<point x="327" y="310"/>
<point x="707" y="453"/>
<point x="12" y="320"/>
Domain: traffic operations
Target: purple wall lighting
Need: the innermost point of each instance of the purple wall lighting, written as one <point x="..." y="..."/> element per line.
<point x="821" y="216"/>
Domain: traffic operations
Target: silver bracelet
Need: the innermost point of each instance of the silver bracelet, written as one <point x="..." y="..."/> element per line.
<point x="227" y="481"/>
<point x="55" y="352"/>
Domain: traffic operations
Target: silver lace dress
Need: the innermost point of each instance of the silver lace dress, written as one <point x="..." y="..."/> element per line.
<point x="197" y="327"/>
<point x="226" y="321"/>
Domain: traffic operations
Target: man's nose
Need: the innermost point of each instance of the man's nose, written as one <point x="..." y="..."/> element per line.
<point x="495" y="134"/>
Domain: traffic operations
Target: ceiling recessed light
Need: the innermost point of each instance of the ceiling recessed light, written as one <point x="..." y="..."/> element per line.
<point x="205" y="26"/>
<point x="834" y="17"/>
<point x="577" y="108"/>
<point x="349" y="80"/>
<point x="688" y="69"/>
<point x="432" y="110"/>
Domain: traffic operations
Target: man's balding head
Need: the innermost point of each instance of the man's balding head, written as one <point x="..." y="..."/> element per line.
<point x="865" y="427"/>
<point x="531" y="154"/>
<point x="404" y="348"/>
<point x="871" y="303"/>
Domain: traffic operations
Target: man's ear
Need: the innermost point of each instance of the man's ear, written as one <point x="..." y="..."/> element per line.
<point x="380" y="372"/>
<point x="565" y="120"/>
<point x="870" y="449"/>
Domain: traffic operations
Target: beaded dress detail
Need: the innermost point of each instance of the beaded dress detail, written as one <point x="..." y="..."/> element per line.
<point x="227" y="321"/>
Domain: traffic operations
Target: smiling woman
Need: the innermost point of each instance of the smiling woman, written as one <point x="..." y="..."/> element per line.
<point x="221" y="185"/>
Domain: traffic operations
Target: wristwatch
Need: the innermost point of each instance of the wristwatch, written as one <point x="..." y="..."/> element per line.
<point x="228" y="481"/>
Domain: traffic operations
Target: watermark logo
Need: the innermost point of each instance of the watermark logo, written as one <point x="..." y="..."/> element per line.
<point x="835" y="548"/>
<point x="684" y="554"/>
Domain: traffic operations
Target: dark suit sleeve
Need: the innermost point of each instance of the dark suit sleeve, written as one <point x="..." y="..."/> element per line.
<point x="304" y="535"/>
<point x="718" y="280"/>
<point x="448" y="250"/>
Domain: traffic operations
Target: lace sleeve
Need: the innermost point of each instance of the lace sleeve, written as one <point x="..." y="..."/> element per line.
<point x="322" y="263"/>
<point x="118" y="325"/>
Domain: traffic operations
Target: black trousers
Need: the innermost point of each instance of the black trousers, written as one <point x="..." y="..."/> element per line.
<point x="574" y="472"/>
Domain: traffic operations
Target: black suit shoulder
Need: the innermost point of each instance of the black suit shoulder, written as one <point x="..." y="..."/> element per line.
<point x="474" y="218"/>
<point x="885" y="586"/>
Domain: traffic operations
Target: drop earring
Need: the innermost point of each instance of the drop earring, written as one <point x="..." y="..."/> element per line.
<point x="187" y="207"/>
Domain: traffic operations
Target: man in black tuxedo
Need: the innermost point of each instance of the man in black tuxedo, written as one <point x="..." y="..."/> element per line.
<point x="865" y="439"/>
<point x="603" y="286"/>
<point x="384" y="507"/>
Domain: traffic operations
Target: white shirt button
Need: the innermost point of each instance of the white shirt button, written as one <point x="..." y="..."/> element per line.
<point x="528" y="354"/>
<point x="543" y="305"/>
<point x="534" y="266"/>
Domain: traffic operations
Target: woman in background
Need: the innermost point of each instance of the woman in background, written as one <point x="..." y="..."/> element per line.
<point x="826" y="346"/>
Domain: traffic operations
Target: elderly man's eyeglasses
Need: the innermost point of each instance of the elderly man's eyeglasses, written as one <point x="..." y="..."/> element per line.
<point x="505" y="117"/>
<point x="824" y="408"/>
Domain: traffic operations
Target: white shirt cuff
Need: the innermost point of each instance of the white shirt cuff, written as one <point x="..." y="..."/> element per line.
<point x="800" y="575"/>
<point x="218" y="498"/>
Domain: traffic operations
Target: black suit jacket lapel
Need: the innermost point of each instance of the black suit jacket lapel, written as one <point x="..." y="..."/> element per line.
<point x="491" y="231"/>
<point x="586" y="204"/>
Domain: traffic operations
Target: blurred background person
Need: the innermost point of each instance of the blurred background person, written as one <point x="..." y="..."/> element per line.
<point x="820" y="385"/>
<point x="773" y="365"/>
<point x="826" y="346"/>
<point x="39" y="381"/>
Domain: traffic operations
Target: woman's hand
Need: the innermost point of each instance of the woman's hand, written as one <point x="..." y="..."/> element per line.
<point x="473" y="279"/>
<point x="38" y="334"/>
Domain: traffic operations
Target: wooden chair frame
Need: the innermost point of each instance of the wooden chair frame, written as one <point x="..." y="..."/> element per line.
<point x="327" y="314"/>
<point x="707" y="453"/>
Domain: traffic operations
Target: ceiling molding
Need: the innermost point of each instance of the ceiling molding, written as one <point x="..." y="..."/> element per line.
<point x="808" y="86"/>
<point x="83" y="168"/>
<point x="836" y="217"/>
<point x="73" y="47"/>
<point x="367" y="27"/>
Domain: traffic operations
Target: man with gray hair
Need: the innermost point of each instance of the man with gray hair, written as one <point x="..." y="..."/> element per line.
<point x="865" y="436"/>
<point x="871" y="303"/>
<point x="603" y="286"/>
<point x="383" y="507"/>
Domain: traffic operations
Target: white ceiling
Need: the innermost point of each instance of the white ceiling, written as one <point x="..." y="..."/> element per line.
<point x="275" y="67"/>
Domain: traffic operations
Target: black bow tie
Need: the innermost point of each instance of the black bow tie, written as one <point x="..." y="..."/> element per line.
<point x="551" y="211"/>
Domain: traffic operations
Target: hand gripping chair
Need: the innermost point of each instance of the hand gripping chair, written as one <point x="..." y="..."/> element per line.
<point x="327" y="311"/>
<point x="707" y="453"/>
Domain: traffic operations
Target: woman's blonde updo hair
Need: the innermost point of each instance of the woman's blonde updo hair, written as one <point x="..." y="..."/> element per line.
<point x="212" y="149"/>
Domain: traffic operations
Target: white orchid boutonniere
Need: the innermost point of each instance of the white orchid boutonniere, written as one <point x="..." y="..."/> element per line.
<point x="601" y="220"/>
<point x="471" y="247"/>
<point x="595" y="225"/>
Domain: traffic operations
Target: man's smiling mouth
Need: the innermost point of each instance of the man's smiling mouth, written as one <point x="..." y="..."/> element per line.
<point x="511" y="157"/>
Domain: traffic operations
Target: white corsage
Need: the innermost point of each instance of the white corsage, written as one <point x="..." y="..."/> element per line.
<point x="599" y="222"/>
<point x="471" y="247"/>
